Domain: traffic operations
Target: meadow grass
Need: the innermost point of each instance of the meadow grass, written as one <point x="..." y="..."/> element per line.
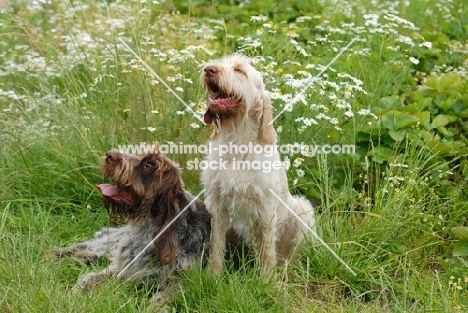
<point x="70" y="91"/>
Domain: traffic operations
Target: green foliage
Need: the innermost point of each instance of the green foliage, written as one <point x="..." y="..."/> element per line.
<point x="460" y="248"/>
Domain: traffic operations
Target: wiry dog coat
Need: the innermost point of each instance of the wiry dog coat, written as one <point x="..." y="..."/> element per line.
<point x="148" y="191"/>
<point x="238" y="184"/>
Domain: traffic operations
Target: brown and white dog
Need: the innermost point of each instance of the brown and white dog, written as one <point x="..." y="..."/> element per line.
<point x="146" y="190"/>
<point x="245" y="171"/>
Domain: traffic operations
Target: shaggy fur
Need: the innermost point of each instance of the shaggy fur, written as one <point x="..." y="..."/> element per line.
<point x="148" y="192"/>
<point x="241" y="110"/>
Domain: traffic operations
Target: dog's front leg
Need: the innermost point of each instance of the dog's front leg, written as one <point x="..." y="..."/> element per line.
<point x="218" y="245"/>
<point x="91" y="280"/>
<point x="267" y="241"/>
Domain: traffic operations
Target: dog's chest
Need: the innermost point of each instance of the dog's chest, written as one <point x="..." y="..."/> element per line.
<point x="241" y="186"/>
<point x="246" y="200"/>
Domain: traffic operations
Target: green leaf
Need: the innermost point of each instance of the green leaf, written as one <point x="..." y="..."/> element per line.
<point x="389" y="120"/>
<point x="442" y="148"/>
<point x="380" y="154"/>
<point x="450" y="81"/>
<point x="406" y="121"/>
<point x="445" y="132"/>
<point x="424" y="118"/>
<point x="460" y="248"/>
<point x="448" y="84"/>
<point x="420" y="105"/>
<point x="391" y="102"/>
<point x="426" y="135"/>
<point x="439" y="121"/>
<point x="395" y="120"/>
<point x="460" y="231"/>
<point x="397" y="135"/>
<point x="447" y="104"/>
<point x="431" y="83"/>
<point x="426" y="92"/>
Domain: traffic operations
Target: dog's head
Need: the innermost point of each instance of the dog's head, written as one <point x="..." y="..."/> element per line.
<point x="146" y="186"/>
<point x="236" y="92"/>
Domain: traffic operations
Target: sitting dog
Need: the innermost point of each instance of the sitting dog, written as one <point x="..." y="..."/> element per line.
<point x="243" y="191"/>
<point x="148" y="191"/>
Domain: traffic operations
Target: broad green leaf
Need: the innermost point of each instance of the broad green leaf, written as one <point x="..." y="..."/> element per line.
<point x="450" y="81"/>
<point x="424" y="118"/>
<point x="391" y="102"/>
<point x="380" y="154"/>
<point x="460" y="248"/>
<point x="389" y="119"/>
<point x="426" y="92"/>
<point x="425" y="102"/>
<point x="460" y="108"/>
<point x="431" y="83"/>
<point x="463" y="114"/>
<point x="444" y="263"/>
<point x="395" y="120"/>
<point x="460" y="231"/>
<point x="406" y="121"/>
<point x="442" y="148"/>
<point x="420" y="105"/>
<point x="426" y="135"/>
<point x="447" y="104"/>
<point x="439" y="121"/>
<point x="447" y="189"/>
<point x="445" y="132"/>
<point x="397" y="135"/>
<point x="435" y="85"/>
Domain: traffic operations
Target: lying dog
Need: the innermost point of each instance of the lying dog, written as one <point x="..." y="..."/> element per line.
<point x="148" y="191"/>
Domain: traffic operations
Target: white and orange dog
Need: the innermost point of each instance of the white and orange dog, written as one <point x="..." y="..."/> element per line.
<point x="245" y="172"/>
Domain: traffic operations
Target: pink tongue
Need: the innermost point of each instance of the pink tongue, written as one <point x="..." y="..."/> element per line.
<point x="108" y="190"/>
<point x="207" y="118"/>
<point x="113" y="192"/>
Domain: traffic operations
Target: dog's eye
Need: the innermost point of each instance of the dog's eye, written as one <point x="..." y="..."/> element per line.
<point x="148" y="166"/>
<point x="239" y="70"/>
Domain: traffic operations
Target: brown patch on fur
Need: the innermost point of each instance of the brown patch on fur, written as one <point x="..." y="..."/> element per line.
<point x="265" y="114"/>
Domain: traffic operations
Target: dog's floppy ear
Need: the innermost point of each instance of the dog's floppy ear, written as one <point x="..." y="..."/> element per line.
<point x="214" y="134"/>
<point x="169" y="194"/>
<point x="267" y="131"/>
<point x="168" y="243"/>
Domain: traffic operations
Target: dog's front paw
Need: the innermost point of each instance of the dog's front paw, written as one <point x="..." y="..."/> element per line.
<point x="85" y="256"/>
<point x="216" y="265"/>
<point x="90" y="280"/>
<point x="158" y="303"/>
<point x="63" y="252"/>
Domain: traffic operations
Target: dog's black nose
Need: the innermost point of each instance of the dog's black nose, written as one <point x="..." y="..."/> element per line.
<point x="113" y="156"/>
<point x="211" y="70"/>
